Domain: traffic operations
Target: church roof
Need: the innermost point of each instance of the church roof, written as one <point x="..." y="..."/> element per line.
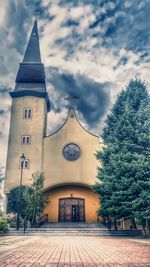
<point x="30" y="80"/>
<point x="32" y="53"/>
<point x="31" y="73"/>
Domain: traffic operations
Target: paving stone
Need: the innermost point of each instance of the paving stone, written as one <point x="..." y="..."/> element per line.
<point x="74" y="251"/>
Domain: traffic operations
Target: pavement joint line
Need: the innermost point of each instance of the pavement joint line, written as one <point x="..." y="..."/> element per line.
<point x="76" y="252"/>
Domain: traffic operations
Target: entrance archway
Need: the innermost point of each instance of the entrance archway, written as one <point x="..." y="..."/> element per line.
<point x="71" y="210"/>
<point x="89" y="203"/>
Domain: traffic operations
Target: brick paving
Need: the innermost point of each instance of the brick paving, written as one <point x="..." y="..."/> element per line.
<point x="73" y="251"/>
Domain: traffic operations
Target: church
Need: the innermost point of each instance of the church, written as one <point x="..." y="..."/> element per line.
<point x="66" y="156"/>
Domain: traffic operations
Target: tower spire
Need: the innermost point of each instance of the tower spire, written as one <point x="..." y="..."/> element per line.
<point x="30" y="80"/>
<point x="32" y="54"/>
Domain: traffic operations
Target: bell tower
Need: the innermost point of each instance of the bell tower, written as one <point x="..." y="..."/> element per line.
<point x="28" y="124"/>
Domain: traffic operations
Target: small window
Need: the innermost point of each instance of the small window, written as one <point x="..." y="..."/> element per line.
<point x="27" y="113"/>
<point x="24" y="164"/>
<point x="26" y="139"/>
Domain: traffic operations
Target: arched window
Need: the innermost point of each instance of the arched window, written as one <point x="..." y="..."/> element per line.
<point x="25" y="139"/>
<point x="24" y="164"/>
<point x="27" y="113"/>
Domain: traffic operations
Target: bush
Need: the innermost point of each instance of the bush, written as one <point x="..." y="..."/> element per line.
<point x="3" y="225"/>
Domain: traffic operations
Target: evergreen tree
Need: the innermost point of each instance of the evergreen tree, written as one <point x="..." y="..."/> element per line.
<point x="125" y="171"/>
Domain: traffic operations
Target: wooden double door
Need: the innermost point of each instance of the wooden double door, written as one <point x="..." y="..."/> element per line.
<point x="71" y="210"/>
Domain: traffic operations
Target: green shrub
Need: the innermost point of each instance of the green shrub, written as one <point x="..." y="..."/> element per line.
<point x="3" y="225"/>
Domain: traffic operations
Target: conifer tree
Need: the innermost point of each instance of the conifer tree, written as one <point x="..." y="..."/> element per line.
<point x="125" y="173"/>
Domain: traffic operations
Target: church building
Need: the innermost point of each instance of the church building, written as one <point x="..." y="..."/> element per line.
<point x="66" y="156"/>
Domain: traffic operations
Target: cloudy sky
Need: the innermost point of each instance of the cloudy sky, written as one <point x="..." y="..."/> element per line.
<point x="90" y="48"/>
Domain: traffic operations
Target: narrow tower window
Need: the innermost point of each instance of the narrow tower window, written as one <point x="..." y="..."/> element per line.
<point x="24" y="164"/>
<point x="26" y="139"/>
<point x="27" y="113"/>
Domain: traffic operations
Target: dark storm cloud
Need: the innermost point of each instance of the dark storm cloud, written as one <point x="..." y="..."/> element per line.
<point x="94" y="97"/>
<point x="127" y="24"/>
<point x="17" y="16"/>
<point x="4" y="90"/>
<point x="3" y="68"/>
<point x="14" y="33"/>
<point x="118" y="24"/>
<point x="2" y="111"/>
<point x="19" y="20"/>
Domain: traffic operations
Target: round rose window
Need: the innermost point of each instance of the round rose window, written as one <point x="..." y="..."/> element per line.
<point x="71" y="151"/>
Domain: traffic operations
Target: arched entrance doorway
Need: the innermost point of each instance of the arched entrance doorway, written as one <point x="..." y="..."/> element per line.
<point x="71" y="210"/>
<point x="71" y="202"/>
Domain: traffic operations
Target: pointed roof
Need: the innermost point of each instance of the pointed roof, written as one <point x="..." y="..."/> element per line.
<point x="30" y="80"/>
<point x="32" y="54"/>
<point x="31" y="69"/>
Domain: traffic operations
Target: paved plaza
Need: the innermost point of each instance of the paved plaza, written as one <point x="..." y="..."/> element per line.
<point x="73" y="251"/>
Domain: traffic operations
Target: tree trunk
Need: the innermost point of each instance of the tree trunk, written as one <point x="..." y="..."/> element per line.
<point x="148" y="226"/>
<point x="35" y="209"/>
<point x="144" y="227"/>
<point x="109" y="223"/>
<point x="25" y="224"/>
<point x="133" y="223"/>
<point x="115" y="224"/>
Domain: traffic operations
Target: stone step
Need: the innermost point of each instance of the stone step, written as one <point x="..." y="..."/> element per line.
<point x="60" y="231"/>
<point x="72" y="225"/>
<point x="65" y="229"/>
<point x="75" y="232"/>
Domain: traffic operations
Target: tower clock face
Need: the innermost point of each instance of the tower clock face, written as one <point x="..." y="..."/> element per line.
<point x="71" y="151"/>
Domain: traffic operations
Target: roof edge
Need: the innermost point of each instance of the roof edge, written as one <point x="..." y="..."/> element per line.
<point x="32" y="93"/>
<point x="46" y="189"/>
<point x="69" y="115"/>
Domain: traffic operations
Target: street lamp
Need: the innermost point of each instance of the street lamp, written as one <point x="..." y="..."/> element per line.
<point x="22" y="160"/>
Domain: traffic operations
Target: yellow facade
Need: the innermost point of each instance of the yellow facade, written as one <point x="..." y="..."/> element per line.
<point x="57" y="168"/>
<point x="72" y="191"/>
<point x="64" y="177"/>
<point x="36" y="128"/>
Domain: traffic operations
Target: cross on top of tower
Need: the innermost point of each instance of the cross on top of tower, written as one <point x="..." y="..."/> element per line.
<point x="72" y="100"/>
<point x="37" y="11"/>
